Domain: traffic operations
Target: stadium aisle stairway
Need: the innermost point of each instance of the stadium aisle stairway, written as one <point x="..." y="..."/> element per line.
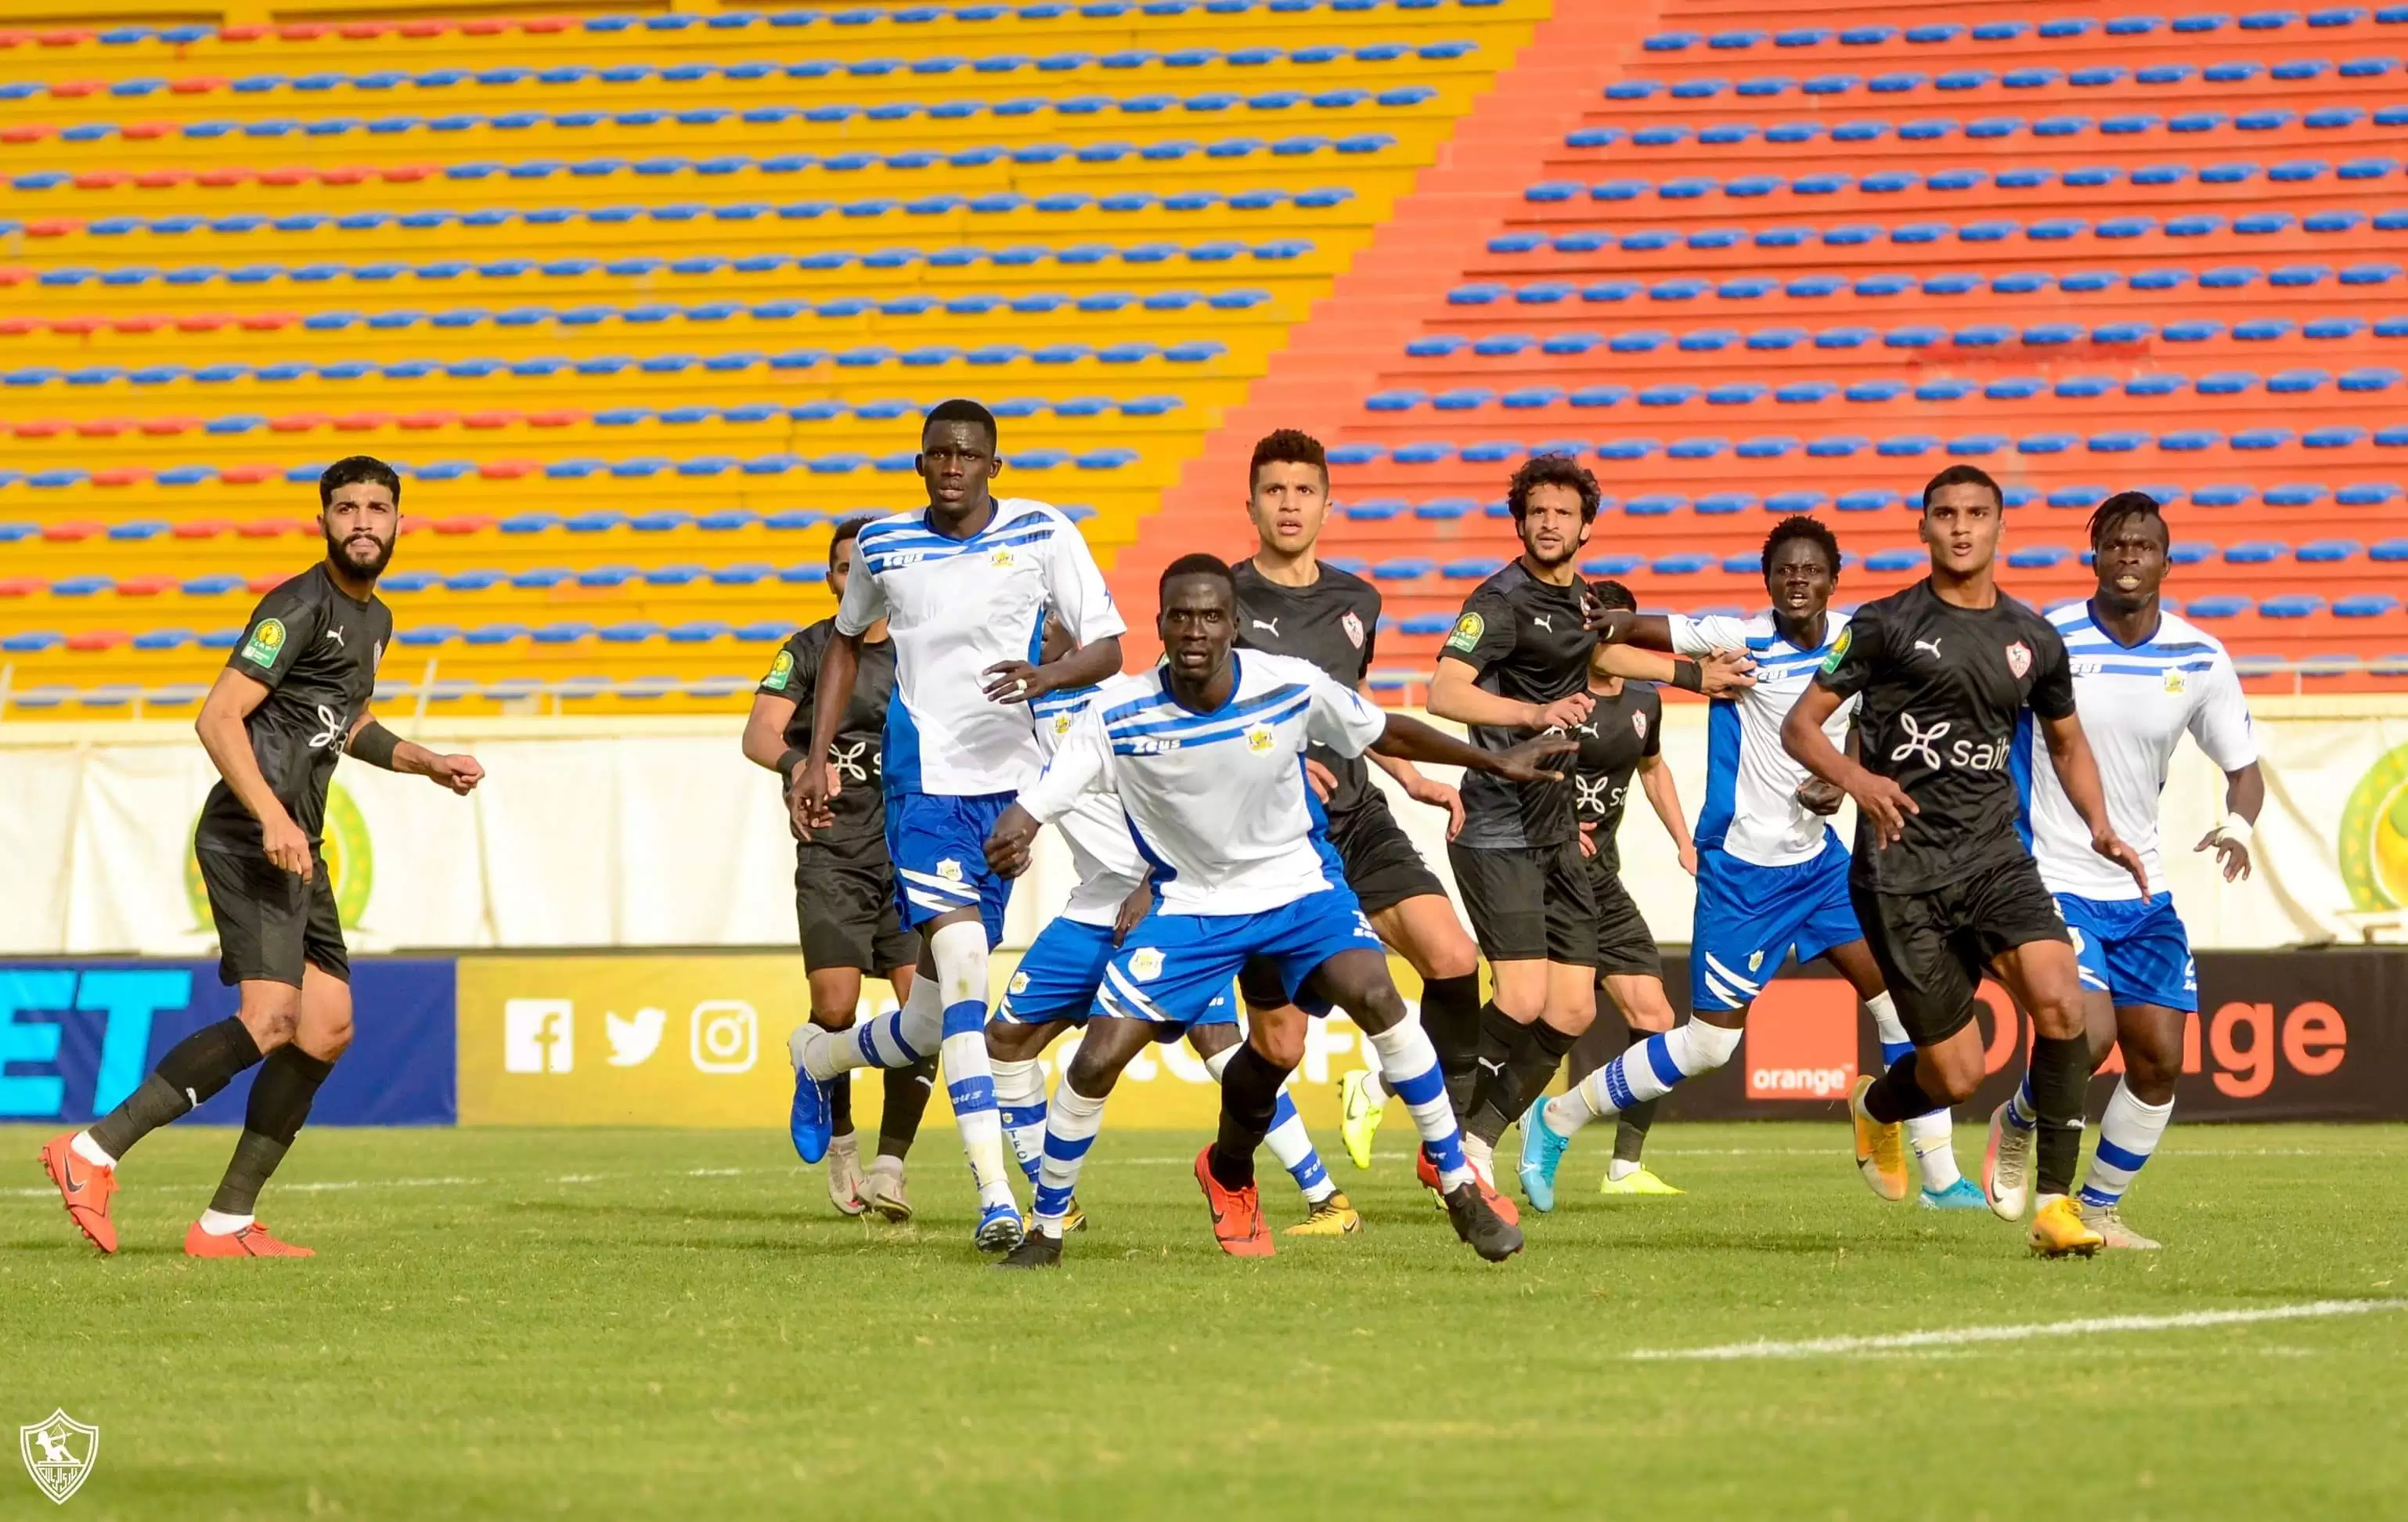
<point x="1748" y="259"/>
<point x="643" y="305"/>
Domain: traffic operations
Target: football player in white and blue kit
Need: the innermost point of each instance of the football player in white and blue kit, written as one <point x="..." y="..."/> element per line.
<point x="2143" y="679"/>
<point x="965" y="587"/>
<point x="1773" y="875"/>
<point x="1205" y="755"/>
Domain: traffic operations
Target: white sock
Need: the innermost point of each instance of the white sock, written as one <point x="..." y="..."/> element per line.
<point x="897" y="1038"/>
<point x="1619" y="1170"/>
<point x="89" y="1150"/>
<point x="1409" y="1064"/>
<point x="1020" y="1100"/>
<point x="1374" y="1091"/>
<point x="1070" y="1126"/>
<point x="1482" y="1158"/>
<point x="219" y="1224"/>
<point x="1689" y="1048"/>
<point x="1293" y="1146"/>
<point x="960" y="951"/>
<point x="1933" y="1138"/>
<point x="2128" y="1133"/>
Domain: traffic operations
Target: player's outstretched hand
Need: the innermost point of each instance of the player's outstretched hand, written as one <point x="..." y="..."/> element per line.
<point x="1887" y="804"/>
<point x="1566" y="712"/>
<point x="2110" y="845"/>
<point x="286" y="845"/>
<point x="1007" y="846"/>
<point x="1014" y="682"/>
<point x="1526" y="762"/>
<point x="807" y="803"/>
<point x="1612" y="625"/>
<point x="1323" y="781"/>
<point x="1437" y="795"/>
<point x="2231" y="855"/>
<point x="1724" y="673"/>
<point x="460" y="773"/>
<point x="1821" y="797"/>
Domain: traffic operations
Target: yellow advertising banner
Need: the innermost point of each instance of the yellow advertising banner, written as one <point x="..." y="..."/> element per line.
<point x="700" y="1039"/>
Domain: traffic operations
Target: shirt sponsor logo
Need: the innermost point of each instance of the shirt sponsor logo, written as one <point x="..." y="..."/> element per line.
<point x="1467" y="630"/>
<point x="1922" y="744"/>
<point x="266" y="644"/>
<point x="1354" y="627"/>
<point x="781" y="671"/>
<point x="2019" y="659"/>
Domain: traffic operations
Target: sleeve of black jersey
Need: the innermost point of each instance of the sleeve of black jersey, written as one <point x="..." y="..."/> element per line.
<point x="1483" y="632"/>
<point x="1849" y="668"/>
<point x="280" y="628"/>
<point x="1651" y="702"/>
<point x="2052" y="688"/>
<point x="792" y="669"/>
<point x="1370" y="616"/>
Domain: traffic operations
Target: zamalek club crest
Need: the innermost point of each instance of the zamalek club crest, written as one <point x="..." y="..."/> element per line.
<point x="2019" y="659"/>
<point x="1354" y="627"/>
<point x="59" y="1453"/>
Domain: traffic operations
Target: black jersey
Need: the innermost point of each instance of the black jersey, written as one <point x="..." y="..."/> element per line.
<point x="315" y="650"/>
<point x="1945" y="690"/>
<point x="1620" y="731"/>
<point x="856" y="753"/>
<point x="1525" y="640"/>
<point x="1333" y="624"/>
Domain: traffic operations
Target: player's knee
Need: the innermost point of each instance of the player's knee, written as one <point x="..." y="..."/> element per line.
<point x="1280" y="1041"/>
<point x="271" y="1013"/>
<point x="2057" y="1014"/>
<point x="1092" y="1071"/>
<point x="960" y="952"/>
<point x="1454" y="957"/>
<point x="1951" y="1071"/>
<point x="326" y="1045"/>
<point x="2151" y="1067"/>
<point x="832" y="1019"/>
<point x="1697" y="1047"/>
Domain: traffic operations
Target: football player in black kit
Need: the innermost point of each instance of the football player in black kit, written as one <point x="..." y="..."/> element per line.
<point x="292" y="697"/>
<point x="1943" y="881"/>
<point x="1518" y="662"/>
<point x="845" y="887"/>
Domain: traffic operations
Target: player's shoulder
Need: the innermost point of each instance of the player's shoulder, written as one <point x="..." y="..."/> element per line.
<point x="2044" y="627"/>
<point x="1336" y="583"/>
<point x="1068" y="701"/>
<point x="812" y="638"/>
<point x="1503" y="582"/>
<point x="1259" y="671"/>
<point x="1125" y="696"/>
<point x="1027" y="515"/>
<point x="294" y="597"/>
<point x="2189" y="637"/>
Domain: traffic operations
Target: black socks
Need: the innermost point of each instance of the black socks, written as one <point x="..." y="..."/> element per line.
<point x="1630" y="1125"/>
<point x="2060" y="1082"/>
<point x="1250" y="1088"/>
<point x="1500" y="1040"/>
<point x="1451" y="1019"/>
<point x="1897" y="1095"/>
<point x="907" y="1100"/>
<point x="192" y="1072"/>
<point x="279" y="1103"/>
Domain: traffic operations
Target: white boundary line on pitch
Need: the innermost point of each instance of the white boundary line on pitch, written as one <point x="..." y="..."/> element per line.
<point x="1955" y="1337"/>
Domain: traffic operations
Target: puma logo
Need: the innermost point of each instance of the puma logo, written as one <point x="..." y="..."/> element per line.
<point x="1543" y="621"/>
<point x="1269" y="626"/>
<point x="1931" y="645"/>
<point x="337" y="636"/>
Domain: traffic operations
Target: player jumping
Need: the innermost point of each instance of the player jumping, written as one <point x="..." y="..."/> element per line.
<point x="1205" y="755"/>
<point x="844" y="884"/>
<point x="1942" y="882"/>
<point x="293" y="695"/>
<point x="965" y="587"/>
<point x="2142" y="679"/>
<point x="1773" y="876"/>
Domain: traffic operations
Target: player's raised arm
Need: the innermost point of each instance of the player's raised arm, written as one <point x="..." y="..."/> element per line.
<point x="225" y="736"/>
<point x="1482" y="636"/>
<point x="373" y="743"/>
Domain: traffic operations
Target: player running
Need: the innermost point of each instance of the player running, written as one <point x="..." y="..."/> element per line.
<point x="844" y="884"/>
<point x="2142" y="679"/>
<point x="1055" y="986"/>
<point x="965" y="587"/>
<point x="1205" y="755"/>
<point x="293" y="695"/>
<point x="1773" y="876"/>
<point x="1942" y="882"/>
<point x="1518" y="662"/>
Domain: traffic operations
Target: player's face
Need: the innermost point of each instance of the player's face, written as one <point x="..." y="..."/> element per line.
<point x="360" y="523"/>
<point x="2131" y="562"/>
<point x="1289" y="504"/>
<point x="1196" y="624"/>
<point x="1800" y="580"/>
<point x="839" y="568"/>
<point x="957" y="462"/>
<point x="1961" y="528"/>
<point x="1551" y="526"/>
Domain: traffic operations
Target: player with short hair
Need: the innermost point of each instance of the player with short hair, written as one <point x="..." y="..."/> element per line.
<point x="1773" y="876"/>
<point x="1516" y="663"/>
<point x="965" y="587"/>
<point x="844" y="883"/>
<point x="1206" y="755"/>
<point x="1941" y="881"/>
<point x="2143" y="678"/>
<point x="293" y="695"/>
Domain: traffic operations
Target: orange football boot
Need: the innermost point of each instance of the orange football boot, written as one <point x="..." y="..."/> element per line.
<point x="1426" y="1171"/>
<point x="85" y="1187"/>
<point x="250" y="1241"/>
<point x="1237" y="1221"/>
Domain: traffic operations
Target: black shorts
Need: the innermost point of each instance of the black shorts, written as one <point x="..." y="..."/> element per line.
<point x="1529" y="903"/>
<point x="1933" y="948"/>
<point x="1624" y="946"/>
<point x="1382" y="865"/>
<point x="844" y="905"/>
<point x="271" y="924"/>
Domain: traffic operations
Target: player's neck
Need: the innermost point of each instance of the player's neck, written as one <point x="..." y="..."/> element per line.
<point x="1560" y="574"/>
<point x="2129" y="626"/>
<point x="1803" y="633"/>
<point x="351" y="585"/>
<point x="968" y="524"/>
<point x="1974" y="591"/>
<point x="1604" y="686"/>
<point x="1280" y="569"/>
<point x="1208" y="696"/>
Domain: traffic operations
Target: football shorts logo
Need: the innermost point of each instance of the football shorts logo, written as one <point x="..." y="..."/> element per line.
<point x="266" y="644"/>
<point x="2174" y="681"/>
<point x="1019" y="983"/>
<point x="1467" y="630"/>
<point x="1259" y="739"/>
<point x="1000" y="559"/>
<point x="1839" y="650"/>
<point x="1920" y="742"/>
<point x="1755" y="960"/>
<point x="781" y="671"/>
<point x="1639" y="724"/>
<point x="1354" y="627"/>
<point x="951" y="870"/>
<point x="2019" y="659"/>
<point x="1145" y="964"/>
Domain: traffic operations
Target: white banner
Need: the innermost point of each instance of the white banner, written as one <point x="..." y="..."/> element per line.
<point x="656" y="832"/>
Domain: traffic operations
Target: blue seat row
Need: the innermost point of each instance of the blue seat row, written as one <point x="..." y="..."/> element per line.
<point x="1988" y="230"/>
<point x="1018" y="256"/>
<point x="1916" y="82"/>
<point x="2363" y="380"/>
<point x="179" y="694"/>
<point x="1101" y="303"/>
<point x="789" y="520"/>
<point x="1986" y="129"/>
<point x="643" y="468"/>
<point x="2081" y="499"/>
<point x="2023" y="283"/>
<point x="2061" y="28"/>
<point x="1905" y="446"/>
<point x="431" y="635"/>
<point x="2103" y="178"/>
<point x="1691" y="563"/>
<point x="239" y="423"/>
<point x="1918" y="337"/>
<point x="321" y="82"/>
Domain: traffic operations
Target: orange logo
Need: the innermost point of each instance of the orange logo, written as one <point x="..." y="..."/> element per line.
<point x="1801" y="1040"/>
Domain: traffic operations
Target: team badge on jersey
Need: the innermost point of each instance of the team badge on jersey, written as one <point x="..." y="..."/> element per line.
<point x="1019" y="984"/>
<point x="1145" y="964"/>
<point x="2174" y="681"/>
<point x="1354" y="627"/>
<point x="266" y="642"/>
<point x="950" y="869"/>
<point x="781" y="671"/>
<point x="2019" y="659"/>
<point x="1467" y="630"/>
<point x="1639" y="724"/>
<point x="1000" y="559"/>
<point x="1061" y="724"/>
<point x="1258" y="739"/>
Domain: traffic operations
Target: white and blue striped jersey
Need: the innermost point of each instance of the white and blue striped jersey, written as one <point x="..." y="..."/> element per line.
<point x="2135" y="702"/>
<point x="1216" y="803"/>
<point x="956" y="607"/>
<point x="1102" y="851"/>
<point x="1751" y="809"/>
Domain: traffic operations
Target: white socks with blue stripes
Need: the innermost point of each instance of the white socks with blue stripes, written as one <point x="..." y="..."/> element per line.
<point x="1020" y="1100"/>
<point x="2128" y="1132"/>
<point x="1071" y="1123"/>
<point x="1932" y="1135"/>
<point x="959" y="950"/>
<point x="1408" y="1065"/>
<point x="897" y="1038"/>
<point x="1645" y="1071"/>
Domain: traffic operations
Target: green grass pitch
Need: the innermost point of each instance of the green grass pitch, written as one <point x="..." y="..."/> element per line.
<point x="624" y="1324"/>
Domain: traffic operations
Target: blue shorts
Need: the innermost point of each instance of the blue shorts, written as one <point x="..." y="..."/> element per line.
<point x="1174" y="968"/>
<point x="2135" y="951"/>
<point x="1061" y="970"/>
<point x="938" y="844"/>
<point x="1750" y="918"/>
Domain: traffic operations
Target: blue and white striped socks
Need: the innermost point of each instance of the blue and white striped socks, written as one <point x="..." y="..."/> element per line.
<point x="897" y="1038"/>
<point x="1293" y="1146"/>
<point x="959" y="950"/>
<point x="1071" y="1123"/>
<point x="2127" y="1134"/>
<point x="1409" y="1068"/>
<point x="1645" y="1071"/>
<point x="1020" y="1100"/>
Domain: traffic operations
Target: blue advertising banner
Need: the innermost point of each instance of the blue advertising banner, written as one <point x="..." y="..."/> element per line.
<point x="76" y="1037"/>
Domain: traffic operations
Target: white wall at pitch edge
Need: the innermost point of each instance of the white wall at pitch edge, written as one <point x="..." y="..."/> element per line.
<point x="656" y="832"/>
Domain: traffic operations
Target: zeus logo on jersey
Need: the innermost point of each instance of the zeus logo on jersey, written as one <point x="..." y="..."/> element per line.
<point x="1922" y="744"/>
<point x="1150" y="745"/>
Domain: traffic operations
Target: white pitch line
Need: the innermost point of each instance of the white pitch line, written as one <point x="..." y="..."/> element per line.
<point x="1957" y="1336"/>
